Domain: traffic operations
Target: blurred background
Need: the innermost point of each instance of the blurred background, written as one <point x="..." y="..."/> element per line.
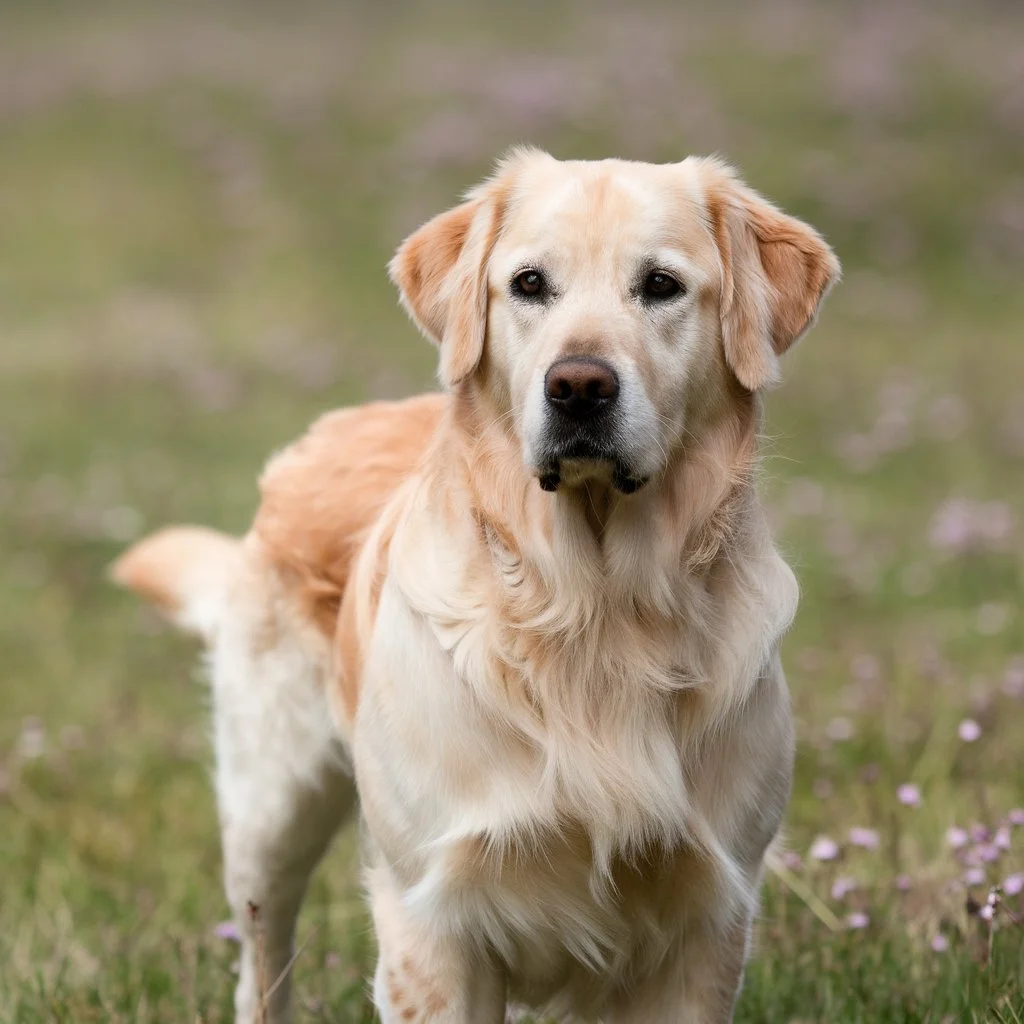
<point x="197" y="203"/>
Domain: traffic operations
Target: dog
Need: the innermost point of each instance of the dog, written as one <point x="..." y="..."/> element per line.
<point x="532" y="621"/>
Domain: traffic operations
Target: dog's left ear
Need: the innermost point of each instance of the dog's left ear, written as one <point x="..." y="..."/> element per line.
<point x="776" y="270"/>
<point x="441" y="274"/>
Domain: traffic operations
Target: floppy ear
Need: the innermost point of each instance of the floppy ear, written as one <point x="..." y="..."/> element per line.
<point x="776" y="270"/>
<point x="441" y="274"/>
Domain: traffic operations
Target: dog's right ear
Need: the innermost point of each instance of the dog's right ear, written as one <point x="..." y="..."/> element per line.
<point x="441" y="274"/>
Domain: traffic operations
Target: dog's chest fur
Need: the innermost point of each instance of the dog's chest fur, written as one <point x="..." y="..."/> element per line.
<point x="575" y="856"/>
<point x="551" y="816"/>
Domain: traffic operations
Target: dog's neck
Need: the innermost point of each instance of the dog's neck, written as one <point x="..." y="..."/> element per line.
<point x="627" y="546"/>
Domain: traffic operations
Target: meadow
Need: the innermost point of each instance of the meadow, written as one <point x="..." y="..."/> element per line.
<point x="197" y="204"/>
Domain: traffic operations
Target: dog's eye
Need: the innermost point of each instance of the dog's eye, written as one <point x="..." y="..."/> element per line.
<point x="660" y="286"/>
<point x="530" y="284"/>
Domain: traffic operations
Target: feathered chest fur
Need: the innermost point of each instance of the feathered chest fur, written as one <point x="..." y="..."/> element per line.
<point x="584" y="678"/>
<point x="569" y="860"/>
<point x="609" y="662"/>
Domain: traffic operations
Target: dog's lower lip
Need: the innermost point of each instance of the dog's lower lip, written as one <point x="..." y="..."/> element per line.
<point x="626" y="483"/>
<point x="551" y="479"/>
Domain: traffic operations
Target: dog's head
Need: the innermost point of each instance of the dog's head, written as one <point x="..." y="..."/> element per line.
<point x="606" y="308"/>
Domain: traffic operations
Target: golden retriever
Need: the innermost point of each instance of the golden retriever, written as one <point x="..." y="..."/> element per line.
<point x="535" y="621"/>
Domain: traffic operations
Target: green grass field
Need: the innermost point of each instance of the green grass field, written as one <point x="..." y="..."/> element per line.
<point x="196" y="206"/>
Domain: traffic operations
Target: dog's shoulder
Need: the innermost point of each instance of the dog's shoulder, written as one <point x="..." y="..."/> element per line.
<point x="321" y="494"/>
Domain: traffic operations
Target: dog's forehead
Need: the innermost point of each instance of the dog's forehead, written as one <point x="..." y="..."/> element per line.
<point x="601" y="203"/>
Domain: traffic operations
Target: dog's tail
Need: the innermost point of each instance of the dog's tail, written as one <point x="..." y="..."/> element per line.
<point x="186" y="572"/>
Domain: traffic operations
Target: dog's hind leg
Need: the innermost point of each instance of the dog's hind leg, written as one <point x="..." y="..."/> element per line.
<point x="283" y="787"/>
<point x="282" y="775"/>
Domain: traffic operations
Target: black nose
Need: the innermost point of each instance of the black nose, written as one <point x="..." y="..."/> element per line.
<point x="579" y="386"/>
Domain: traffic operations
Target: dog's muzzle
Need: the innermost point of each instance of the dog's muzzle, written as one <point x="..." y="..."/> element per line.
<point x="582" y="400"/>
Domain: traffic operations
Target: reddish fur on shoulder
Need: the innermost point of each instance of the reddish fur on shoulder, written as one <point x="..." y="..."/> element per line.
<point x="321" y="494"/>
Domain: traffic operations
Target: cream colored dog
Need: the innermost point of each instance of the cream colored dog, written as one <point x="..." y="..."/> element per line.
<point x="537" y="619"/>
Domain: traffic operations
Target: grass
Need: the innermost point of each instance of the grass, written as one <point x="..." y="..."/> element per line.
<point x="196" y="206"/>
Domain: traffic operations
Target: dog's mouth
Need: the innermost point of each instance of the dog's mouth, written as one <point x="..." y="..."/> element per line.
<point x="621" y="480"/>
<point x="572" y="470"/>
<point x="590" y="450"/>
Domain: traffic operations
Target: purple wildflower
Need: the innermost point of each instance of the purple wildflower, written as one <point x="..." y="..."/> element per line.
<point x="842" y="887"/>
<point x="227" y="930"/>
<point x="940" y="943"/>
<point x="957" y="837"/>
<point x="909" y="795"/>
<point x="866" y="838"/>
<point x="974" y="876"/>
<point x="857" y="920"/>
<point x="792" y="860"/>
<point x="969" y="730"/>
<point x="988" y="853"/>
<point x="1013" y="885"/>
<point x="824" y="848"/>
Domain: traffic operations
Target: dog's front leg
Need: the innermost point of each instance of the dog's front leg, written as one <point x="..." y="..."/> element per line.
<point x="697" y="984"/>
<point x="426" y="979"/>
